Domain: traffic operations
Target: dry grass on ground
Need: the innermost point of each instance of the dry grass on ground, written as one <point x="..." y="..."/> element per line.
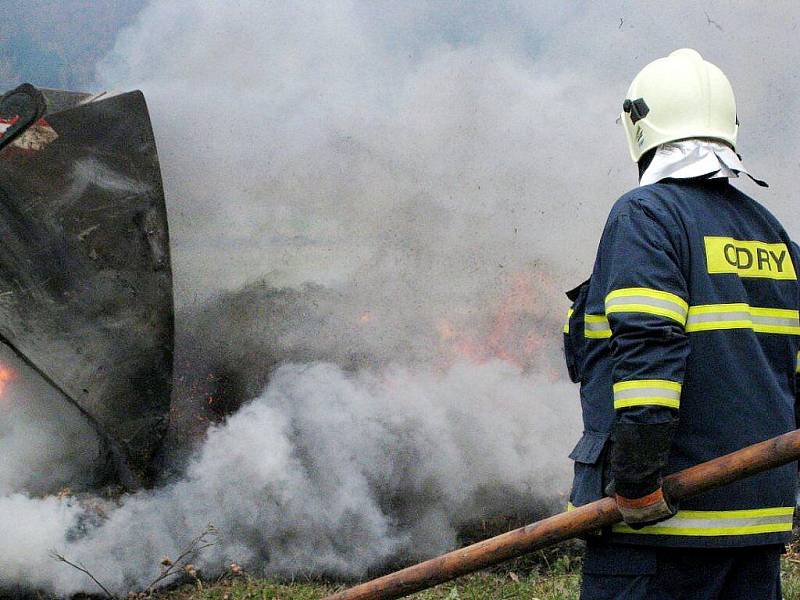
<point x="544" y="578"/>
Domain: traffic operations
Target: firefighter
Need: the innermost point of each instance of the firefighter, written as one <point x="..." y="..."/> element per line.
<point x="685" y="341"/>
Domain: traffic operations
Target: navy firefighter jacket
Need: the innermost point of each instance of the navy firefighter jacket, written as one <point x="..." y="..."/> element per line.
<point x="691" y="312"/>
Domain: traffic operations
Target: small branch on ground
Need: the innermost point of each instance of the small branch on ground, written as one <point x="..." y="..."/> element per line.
<point x="61" y="558"/>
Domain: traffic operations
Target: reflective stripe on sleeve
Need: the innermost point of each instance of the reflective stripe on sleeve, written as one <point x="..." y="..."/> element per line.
<point x="596" y="327"/>
<point x="647" y="392"/>
<point x="648" y="301"/>
<point x="776" y="320"/>
<point x="710" y="317"/>
<point x="569" y="316"/>
<point x="797" y="364"/>
<point x="719" y="523"/>
<point x="705" y="317"/>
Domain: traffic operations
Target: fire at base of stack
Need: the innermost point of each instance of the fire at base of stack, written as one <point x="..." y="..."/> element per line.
<point x="305" y="455"/>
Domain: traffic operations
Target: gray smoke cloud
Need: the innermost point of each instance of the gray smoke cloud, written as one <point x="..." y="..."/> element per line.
<point x="45" y="444"/>
<point x="429" y="146"/>
<point x="373" y="207"/>
<point x="325" y="473"/>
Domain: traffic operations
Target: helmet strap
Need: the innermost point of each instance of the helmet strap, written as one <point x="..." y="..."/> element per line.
<point x="645" y="161"/>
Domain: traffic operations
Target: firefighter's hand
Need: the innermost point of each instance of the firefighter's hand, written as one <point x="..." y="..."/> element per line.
<point x="647" y="510"/>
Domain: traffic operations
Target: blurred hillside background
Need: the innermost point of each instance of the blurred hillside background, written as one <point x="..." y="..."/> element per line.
<point x="58" y="43"/>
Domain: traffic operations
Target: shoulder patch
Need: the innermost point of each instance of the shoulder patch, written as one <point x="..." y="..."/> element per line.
<point x="748" y="258"/>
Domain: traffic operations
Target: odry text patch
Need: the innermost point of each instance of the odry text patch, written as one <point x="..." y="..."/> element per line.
<point x="748" y="258"/>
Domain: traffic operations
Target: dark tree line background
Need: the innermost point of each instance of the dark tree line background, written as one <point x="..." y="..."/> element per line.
<point x="58" y="43"/>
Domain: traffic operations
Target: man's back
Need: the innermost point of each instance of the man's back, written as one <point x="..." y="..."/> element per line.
<point x="699" y="284"/>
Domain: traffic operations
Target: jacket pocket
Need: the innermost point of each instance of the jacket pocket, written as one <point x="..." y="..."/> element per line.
<point x="573" y="331"/>
<point x="589" y="456"/>
<point x="589" y="447"/>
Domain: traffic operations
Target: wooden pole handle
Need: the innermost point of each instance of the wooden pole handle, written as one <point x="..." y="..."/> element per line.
<point x="558" y="528"/>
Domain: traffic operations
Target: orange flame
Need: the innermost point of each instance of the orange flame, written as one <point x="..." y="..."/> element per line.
<point x="519" y="322"/>
<point x="7" y="375"/>
<point x="518" y="329"/>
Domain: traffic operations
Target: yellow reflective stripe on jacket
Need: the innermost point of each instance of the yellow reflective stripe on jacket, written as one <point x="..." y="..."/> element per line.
<point x="705" y="317"/>
<point x="710" y="317"/>
<point x="776" y="320"/>
<point x="797" y="367"/>
<point x="569" y="316"/>
<point x="596" y="327"/>
<point x="648" y="301"/>
<point x="647" y="392"/>
<point x="719" y="523"/>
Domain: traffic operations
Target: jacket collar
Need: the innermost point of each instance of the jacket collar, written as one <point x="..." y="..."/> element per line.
<point x="692" y="158"/>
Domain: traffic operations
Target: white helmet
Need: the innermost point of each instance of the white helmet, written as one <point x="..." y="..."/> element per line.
<point x="678" y="97"/>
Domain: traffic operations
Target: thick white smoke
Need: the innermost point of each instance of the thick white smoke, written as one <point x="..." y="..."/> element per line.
<point x="327" y="143"/>
<point x="45" y="444"/>
<point x="412" y="159"/>
<point x="324" y="473"/>
<point x="419" y="148"/>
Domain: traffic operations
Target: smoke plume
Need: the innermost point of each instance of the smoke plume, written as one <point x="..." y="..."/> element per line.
<point x="45" y="444"/>
<point x="373" y="207"/>
<point x="325" y="473"/>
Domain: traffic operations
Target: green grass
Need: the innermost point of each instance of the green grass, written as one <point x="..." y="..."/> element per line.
<point x="542" y="579"/>
<point x="546" y="575"/>
<point x="473" y="587"/>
